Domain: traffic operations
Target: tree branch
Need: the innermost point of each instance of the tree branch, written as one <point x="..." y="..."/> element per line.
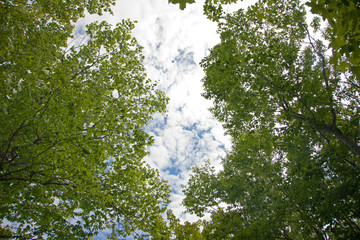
<point x="342" y="137"/>
<point x="4" y="155"/>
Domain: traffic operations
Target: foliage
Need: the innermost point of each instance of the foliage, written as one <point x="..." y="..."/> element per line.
<point x="182" y="3"/>
<point x="343" y="31"/>
<point x="186" y="231"/>
<point x="68" y="105"/>
<point x="213" y="8"/>
<point x="293" y="171"/>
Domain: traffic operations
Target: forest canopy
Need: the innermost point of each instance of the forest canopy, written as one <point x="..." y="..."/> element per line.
<point x="73" y="106"/>
<point x="292" y="111"/>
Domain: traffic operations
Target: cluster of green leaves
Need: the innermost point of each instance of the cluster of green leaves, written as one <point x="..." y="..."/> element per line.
<point x="343" y="31"/>
<point x="186" y="231"/>
<point x="67" y="104"/>
<point x="213" y="8"/>
<point x="293" y="171"/>
<point x="182" y="3"/>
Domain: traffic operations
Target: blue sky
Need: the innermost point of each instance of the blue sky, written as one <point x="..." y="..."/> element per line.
<point x="174" y="43"/>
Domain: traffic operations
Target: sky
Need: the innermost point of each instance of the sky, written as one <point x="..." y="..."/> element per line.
<point x="174" y="43"/>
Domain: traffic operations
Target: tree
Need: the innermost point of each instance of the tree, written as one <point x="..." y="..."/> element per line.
<point x="293" y="117"/>
<point x="72" y="113"/>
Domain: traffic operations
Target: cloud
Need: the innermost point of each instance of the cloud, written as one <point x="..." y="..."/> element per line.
<point x="189" y="134"/>
<point x="185" y="60"/>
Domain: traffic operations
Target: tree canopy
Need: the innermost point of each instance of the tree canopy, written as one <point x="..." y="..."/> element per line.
<point x="292" y="112"/>
<point x="74" y="103"/>
<point x="73" y="108"/>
